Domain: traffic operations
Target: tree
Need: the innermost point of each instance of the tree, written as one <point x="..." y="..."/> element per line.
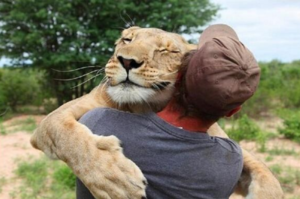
<point x="17" y="88"/>
<point x="69" y="34"/>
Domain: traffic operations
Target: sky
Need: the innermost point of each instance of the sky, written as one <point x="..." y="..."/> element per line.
<point x="270" y="29"/>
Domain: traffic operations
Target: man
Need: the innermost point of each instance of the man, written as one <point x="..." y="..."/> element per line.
<point x="177" y="156"/>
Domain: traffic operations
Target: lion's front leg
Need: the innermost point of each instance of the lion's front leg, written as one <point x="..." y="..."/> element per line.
<point x="100" y="164"/>
<point x="54" y="126"/>
<point x="256" y="181"/>
<point x="98" y="161"/>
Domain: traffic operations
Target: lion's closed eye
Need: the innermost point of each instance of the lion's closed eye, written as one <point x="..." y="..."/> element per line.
<point x="166" y="50"/>
<point x="126" y="40"/>
<point x="163" y="50"/>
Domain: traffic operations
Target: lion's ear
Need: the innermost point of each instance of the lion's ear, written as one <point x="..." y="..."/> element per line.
<point x="129" y="30"/>
<point x="134" y="28"/>
<point x="118" y="41"/>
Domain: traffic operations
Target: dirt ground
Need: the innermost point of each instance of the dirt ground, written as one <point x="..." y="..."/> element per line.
<point x="14" y="146"/>
<point x="285" y="161"/>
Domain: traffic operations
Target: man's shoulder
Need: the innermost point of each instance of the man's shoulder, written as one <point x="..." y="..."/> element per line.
<point x="228" y="153"/>
<point x="108" y="115"/>
<point x="228" y="144"/>
<point x="92" y="117"/>
<point x="94" y="113"/>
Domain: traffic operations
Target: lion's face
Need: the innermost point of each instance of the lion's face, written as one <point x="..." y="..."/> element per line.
<point x="144" y="66"/>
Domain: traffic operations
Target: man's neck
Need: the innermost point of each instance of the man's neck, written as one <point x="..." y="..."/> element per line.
<point x="173" y="116"/>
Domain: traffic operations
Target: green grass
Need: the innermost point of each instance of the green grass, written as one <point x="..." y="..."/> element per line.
<point x="44" y="179"/>
<point x="276" y="169"/>
<point x="288" y="177"/>
<point x="28" y="125"/>
<point x="2" y="129"/>
<point x="2" y="182"/>
<point x="29" y="109"/>
<point x="64" y="176"/>
<point x="282" y="151"/>
<point x="269" y="158"/>
<point x="294" y="197"/>
<point x="244" y="128"/>
<point x="291" y="123"/>
<point x="261" y="138"/>
<point x="34" y="175"/>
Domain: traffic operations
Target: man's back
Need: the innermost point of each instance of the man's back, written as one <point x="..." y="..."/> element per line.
<point x="176" y="163"/>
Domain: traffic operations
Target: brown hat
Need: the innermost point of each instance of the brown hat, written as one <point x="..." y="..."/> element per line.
<point x="222" y="74"/>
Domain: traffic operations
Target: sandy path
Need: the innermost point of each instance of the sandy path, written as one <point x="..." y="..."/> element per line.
<point x="13" y="146"/>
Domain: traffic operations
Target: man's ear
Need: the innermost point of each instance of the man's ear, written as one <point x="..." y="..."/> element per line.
<point x="233" y="111"/>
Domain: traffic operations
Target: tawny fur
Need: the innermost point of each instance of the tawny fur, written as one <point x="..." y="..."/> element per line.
<point x="99" y="161"/>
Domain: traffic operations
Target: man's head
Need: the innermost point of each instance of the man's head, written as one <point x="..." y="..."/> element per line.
<point x="221" y="75"/>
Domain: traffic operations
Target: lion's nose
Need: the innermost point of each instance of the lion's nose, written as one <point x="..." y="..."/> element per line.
<point x="128" y="64"/>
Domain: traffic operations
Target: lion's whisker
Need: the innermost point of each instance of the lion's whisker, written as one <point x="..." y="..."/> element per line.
<point x="157" y="87"/>
<point x="98" y="72"/>
<point x="87" y="80"/>
<point x="102" y="84"/>
<point x="104" y="81"/>
<point x="141" y="96"/>
<point x="124" y="20"/>
<point x="166" y="74"/>
<point x="67" y="71"/>
<point x="119" y="28"/>
<point x="131" y="21"/>
<point x="70" y="79"/>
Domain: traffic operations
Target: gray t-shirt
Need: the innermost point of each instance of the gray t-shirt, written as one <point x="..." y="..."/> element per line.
<point x="178" y="164"/>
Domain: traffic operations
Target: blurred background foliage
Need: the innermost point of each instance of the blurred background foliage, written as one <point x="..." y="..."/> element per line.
<point x="69" y="34"/>
<point x="50" y="40"/>
<point x="279" y="87"/>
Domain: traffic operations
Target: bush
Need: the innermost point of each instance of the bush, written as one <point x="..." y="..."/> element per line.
<point x="265" y="98"/>
<point x="290" y="94"/>
<point x="291" y="126"/>
<point x="278" y="88"/>
<point x="19" y="87"/>
<point x="49" y="105"/>
<point x="243" y="129"/>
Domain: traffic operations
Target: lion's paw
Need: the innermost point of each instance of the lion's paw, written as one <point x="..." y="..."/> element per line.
<point x="128" y="178"/>
<point x="111" y="173"/>
<point x="108" y="143"/>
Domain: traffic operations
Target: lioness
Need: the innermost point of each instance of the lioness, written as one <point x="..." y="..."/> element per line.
<point x="141" y="77"/>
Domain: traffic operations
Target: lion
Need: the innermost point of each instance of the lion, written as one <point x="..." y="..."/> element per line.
<point x="140" y="77"/>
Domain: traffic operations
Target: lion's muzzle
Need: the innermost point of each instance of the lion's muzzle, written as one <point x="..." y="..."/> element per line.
<point x="128" y="64"/>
